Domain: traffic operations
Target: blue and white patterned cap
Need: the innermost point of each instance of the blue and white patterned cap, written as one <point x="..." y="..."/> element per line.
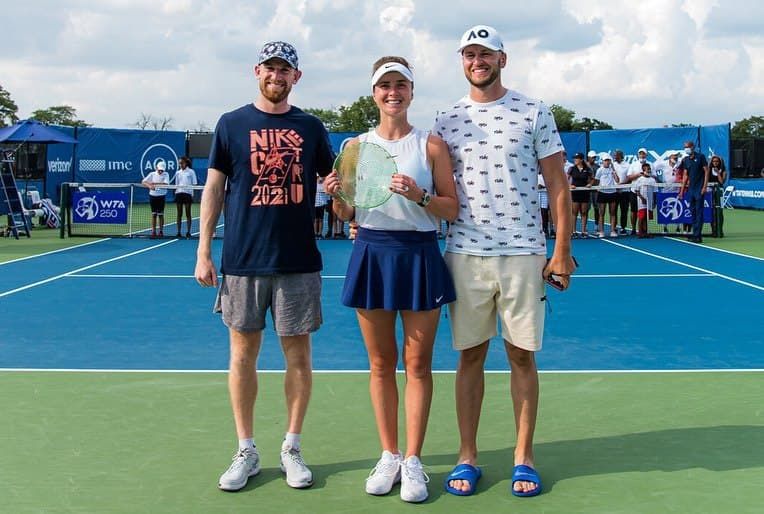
<point x="278" y="49"/>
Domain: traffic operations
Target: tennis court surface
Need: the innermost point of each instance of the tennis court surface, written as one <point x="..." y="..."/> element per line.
<point x="114" y="394"/>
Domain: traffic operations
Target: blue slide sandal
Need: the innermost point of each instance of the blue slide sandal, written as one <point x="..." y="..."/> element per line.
<point x="466" y="472"/>
<point x="524" y="473"/>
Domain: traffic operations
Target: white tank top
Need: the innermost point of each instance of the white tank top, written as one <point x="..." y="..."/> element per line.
<point x="399" y="213"/>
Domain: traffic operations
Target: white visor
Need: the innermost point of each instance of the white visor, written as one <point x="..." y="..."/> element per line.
<point x="389" y="67"/>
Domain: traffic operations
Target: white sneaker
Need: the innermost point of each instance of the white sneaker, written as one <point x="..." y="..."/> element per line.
<point x="600" y="234"/>
<point x="385" y="474"/>
<point x="413" y="480"/>
<point x="297" y="473"/>
<point x="246" y="463"/>
<point x="614" y="234"/>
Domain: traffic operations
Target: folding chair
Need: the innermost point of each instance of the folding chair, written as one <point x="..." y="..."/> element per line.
<point x="726" y="196"/>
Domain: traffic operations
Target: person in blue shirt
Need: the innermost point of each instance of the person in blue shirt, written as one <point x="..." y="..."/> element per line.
<point x="694" y="187"/>
<point x="263" y="166"/>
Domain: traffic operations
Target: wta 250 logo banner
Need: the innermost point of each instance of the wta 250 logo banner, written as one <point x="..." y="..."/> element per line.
<point x="275" y="156"/>
<point x="672" y="210"/>
<point x="100" y="207"/>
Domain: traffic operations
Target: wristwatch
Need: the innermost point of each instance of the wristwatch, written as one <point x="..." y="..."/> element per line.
<point x="426" y="199"/>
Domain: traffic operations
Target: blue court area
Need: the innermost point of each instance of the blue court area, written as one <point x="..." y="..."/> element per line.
<point x="657" y="304"/>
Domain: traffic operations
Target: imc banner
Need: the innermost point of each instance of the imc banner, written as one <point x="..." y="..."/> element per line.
<point x="99" y="207"/>
<point x="672" y="210"/>
<point x="125" y="155"/>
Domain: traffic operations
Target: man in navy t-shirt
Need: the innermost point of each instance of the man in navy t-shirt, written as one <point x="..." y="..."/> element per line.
<point x="695" y="183"/>
<point x="263" y="166"/>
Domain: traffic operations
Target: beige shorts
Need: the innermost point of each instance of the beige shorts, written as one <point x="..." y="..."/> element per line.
<point x="510" y="287"/>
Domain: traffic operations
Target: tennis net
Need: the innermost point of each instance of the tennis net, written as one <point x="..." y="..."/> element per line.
<point x="664" y="213"/>
<point x="123" y="210"/>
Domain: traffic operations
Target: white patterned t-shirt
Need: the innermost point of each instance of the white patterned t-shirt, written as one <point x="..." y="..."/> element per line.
<point x="495" y="148"/>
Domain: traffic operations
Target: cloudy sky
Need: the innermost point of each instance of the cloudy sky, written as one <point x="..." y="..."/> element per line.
<point x="632" y="64"/>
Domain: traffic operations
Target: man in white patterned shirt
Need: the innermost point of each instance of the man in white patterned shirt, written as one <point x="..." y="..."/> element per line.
<point x="496" y="250"/>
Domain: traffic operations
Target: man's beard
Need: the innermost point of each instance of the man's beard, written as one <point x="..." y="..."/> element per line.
<point x="275" y="96"/>
<point x="488" y="81"/>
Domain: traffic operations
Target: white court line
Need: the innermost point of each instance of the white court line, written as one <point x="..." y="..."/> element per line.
<point x="51" y="279"/>
<point x="697" y="268"/>
<point x="400" y="371"/>
<point x="738" y="254"/>
<point x="86" y="275"/>
<point x="54" y="251"/>
<point x="645" y="275"/>
<point x="635" y="275"/>
<point x="84" y="268"/>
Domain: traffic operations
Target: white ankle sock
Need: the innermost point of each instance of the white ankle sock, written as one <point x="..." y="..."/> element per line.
<point x="292" y="440"/>
<point x="246" y="443"/>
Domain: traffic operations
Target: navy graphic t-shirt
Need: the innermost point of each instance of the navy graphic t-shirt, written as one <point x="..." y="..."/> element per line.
<point x="271" y="161"/>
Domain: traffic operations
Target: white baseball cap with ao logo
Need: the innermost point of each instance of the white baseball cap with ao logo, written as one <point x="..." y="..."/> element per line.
<point x="482" y="35"/>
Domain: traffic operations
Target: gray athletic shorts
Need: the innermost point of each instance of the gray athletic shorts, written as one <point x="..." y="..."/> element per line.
<point x="293" y="298"/>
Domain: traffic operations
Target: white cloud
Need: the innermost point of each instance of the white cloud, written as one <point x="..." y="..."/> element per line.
<point x="631" y="64"/>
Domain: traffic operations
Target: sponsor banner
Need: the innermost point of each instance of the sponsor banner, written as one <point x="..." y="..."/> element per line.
<point x="715" y="140"/>
<point x="672" y="210"/>
<point x="573" y="142"/>
<point x="124" y="155"/>
<point x="748" y="193"/>
<point x="99" y="207"/>
<point x="658" y="142"/>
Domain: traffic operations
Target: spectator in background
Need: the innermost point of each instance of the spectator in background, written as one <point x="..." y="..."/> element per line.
<point x="717" y="171"/>
<point x="566" y="163"/>
<point x="605" y="178"/>
<point x="694" y="187"/>
<point x="622" y="196"/>
<point x="717" y="176"/>
<point x="330" y="217"/>
<point x="544" y="204"/>
<point x="635" y="171"/>
<point x="184" y="195"/>
<point x="157" y="194"/>
<point x="644" y="189"/>
<point x="591" y="161"/>
<point x="580" y="175"/>
<point x="322" y="199"/>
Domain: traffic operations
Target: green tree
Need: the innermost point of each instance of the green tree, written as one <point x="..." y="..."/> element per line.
<point x="8" y="109"/>
<point x="359" y="116"/>
<point x="748" y="127"/>
<point x="591" y="124"/>
<point x="329" y="117"/>
<point x="563" y="117"/>
<point x="566" y="120"/>
<point x="59" y="115"/>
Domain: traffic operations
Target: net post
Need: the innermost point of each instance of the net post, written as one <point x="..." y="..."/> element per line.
<point x="63" y="202"/>
<point x="130" y="213"/>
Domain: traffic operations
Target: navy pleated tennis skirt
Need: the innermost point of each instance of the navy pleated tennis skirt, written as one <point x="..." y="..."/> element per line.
<point x="397" y="270"/>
